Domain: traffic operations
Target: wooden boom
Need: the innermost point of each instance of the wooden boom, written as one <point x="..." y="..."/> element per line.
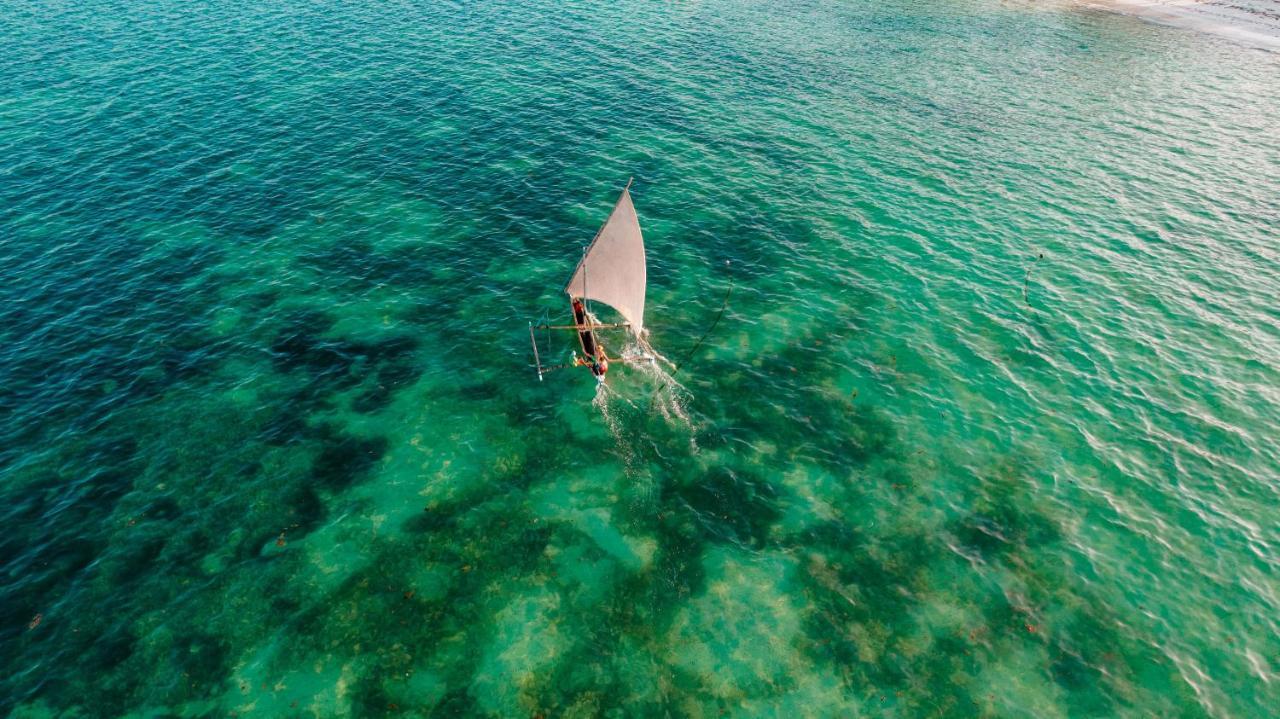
<point x="580" y="328"/>
<point x="543" y="369"/>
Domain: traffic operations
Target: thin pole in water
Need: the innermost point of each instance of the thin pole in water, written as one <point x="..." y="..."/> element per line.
<point x="536" y="359"/>
<point x="1026" y="278"/>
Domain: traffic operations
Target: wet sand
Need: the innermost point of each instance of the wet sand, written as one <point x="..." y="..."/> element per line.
<point x="1253" y="22"/>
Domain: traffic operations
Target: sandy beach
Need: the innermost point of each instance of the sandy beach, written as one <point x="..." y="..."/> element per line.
<point x="1253" y="22"/>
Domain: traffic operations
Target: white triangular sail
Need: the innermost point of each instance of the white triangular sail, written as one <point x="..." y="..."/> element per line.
<point x="613" y="269"/>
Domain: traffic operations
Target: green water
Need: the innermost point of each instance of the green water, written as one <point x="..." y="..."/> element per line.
<point x="271" y="445"/>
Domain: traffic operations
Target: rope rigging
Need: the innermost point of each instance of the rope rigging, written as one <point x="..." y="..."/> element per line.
<point x="724" y="305"/>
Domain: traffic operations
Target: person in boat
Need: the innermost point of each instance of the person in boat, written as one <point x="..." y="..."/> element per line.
<point x="600" y="363"/>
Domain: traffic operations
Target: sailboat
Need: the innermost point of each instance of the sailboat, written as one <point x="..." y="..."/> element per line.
<point x="612" y="271"/>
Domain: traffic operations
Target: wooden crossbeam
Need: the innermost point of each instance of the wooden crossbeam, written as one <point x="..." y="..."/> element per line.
<point x="580" y="328"/>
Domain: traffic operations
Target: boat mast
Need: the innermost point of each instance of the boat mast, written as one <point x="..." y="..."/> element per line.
<point x="586" y="301"/>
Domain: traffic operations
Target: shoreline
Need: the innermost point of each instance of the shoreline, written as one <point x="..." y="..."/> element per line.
<point x="1252" y="22"/>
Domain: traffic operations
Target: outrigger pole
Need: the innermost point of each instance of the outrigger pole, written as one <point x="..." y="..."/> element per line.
<point x="543" y="369"/>
<point x="534" y="341"/>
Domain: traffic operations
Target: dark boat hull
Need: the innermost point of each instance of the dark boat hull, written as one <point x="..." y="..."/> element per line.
<point x="590" y="350"/>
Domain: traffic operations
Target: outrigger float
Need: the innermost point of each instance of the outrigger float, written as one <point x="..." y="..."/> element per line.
<point x="612" y="271"/>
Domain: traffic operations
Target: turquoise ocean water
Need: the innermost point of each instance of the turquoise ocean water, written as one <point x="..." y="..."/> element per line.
<point x="270" y="444"/>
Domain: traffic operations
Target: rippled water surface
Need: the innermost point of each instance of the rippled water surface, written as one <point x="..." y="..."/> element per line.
<point x="989" y="427"/>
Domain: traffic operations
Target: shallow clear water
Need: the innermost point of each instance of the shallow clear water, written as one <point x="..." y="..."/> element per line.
<point x="271" y="443"/>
